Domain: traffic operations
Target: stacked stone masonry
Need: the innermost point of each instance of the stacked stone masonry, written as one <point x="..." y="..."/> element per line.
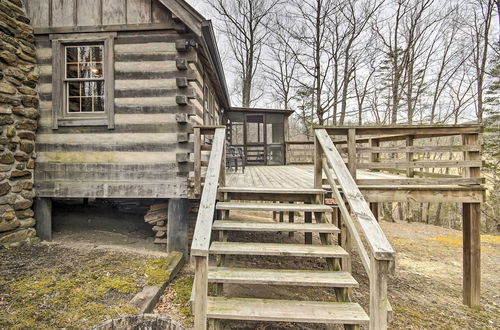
<point x="18" y="122"/>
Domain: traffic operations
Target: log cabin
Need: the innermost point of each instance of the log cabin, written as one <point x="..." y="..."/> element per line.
<point x="122" y="83"/>
<point x="129" y="92"/>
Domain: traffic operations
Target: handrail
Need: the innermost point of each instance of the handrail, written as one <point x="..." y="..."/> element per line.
<point x="377" y="241"/>
<point x="203" y="229"/>
<point x="328" y="159"/>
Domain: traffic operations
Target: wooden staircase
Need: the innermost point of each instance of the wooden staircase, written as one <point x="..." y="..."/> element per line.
<point x="226" y="249"/>
<point x="296" y="202"/>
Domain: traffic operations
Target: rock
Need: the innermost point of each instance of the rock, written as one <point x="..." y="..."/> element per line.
<point x="27" y="90"/>
<point x="29" y="83"/>
<point x="17" y="188"/>
<point x="30" y="113"/>
<point x="8" y="57"/>
<point x="32" y="76"/>
<point x="26" y="124"/>
<point x="4" y="140"/>
<point x="17" y="236"/>
<point x="9" y="215"/>
<point x="6" y="120"/>
<point x="23" y="204"/>
<point x="7" y="88"/>
<point x="31" y="164"/>
<point x="5" y="109"/>
<point x="9" y="100"/>
<point x="12" y="146"/>
<point x="27" y="147"/>
<point x="28" y="185"/>
<point x="24" y="214"/>
<point x="20" y="174"/>
<point x="11" y="132"/>
<point x="21" y="156"/>
<point x="28" y="194"/>
<point x="8" y="199"/>
<point x="7" y="159"/>
<point x="27" y="223"/>
<point x="4" y="188"/>
<point x="9" y="225"/>
<point x="27" y="135"/>
<point x="30" y="101"/>
<point x="5" y="168"/>
<point x="15" y="72"/>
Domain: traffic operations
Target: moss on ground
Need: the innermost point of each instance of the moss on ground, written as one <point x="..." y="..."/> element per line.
<point x="156" y="271"/>
<point x="182" y="288"/>
<point x="52" y="287"/>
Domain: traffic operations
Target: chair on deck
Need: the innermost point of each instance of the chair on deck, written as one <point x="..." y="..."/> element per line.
<point x="233" y="156"/>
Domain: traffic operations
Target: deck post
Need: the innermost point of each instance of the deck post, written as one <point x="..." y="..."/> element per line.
<point x="471" y="254"/>
<point x="177" y="225"/>
<point x="197" y="160"/>
<point x="471" y="233"/>
<point x="318" y="164"/>
<point x="379" y="270"/>
<point x="201" y="292"/>
<point x="351" y="152"/>
<point x="43" y="215"/>
<point x="374" y="156"/>
<point x="374" y="207"/>
<point x="410" y="172"/>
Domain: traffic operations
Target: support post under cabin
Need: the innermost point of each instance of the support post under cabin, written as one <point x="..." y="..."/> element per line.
<point x="43" y="216"/>
<point x="177" y="231"/>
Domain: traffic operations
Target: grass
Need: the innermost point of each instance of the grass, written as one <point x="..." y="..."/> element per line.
<point x="48" y="288"/>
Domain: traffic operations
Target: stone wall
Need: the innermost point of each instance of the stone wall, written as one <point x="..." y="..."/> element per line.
<point x="18" y="121"/>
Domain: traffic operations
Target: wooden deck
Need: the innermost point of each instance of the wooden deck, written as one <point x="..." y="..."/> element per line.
<point x="302" y="177"/>
<point x="288" y="176"/>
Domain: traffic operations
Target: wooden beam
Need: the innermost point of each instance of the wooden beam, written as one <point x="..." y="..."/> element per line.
<point x="43" y="216"/>
<point x="378" y="294"/>
<point x="200" y="290"/>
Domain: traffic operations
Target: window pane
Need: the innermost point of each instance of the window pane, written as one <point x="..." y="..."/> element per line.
<point x="90" y="70"/>
<point x="74" y="89"/>
<point x="73" y="104"/>
<point x="93" y="88"/>
<point x="86" y="104"/>
<point x="84" y="62"/>
<point x="98" y="104"/>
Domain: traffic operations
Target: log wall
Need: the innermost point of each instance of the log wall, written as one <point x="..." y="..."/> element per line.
<point x="158" y="87"/>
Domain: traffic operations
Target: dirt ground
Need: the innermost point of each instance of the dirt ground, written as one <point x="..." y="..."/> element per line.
<point x="425" y="291"/>
<point x="99" y="259"/>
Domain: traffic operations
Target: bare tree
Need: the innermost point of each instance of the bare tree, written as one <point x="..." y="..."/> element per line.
<point x="479" y="30"/>
<point x="281" y="66"/>
<point x="245" y="27"/>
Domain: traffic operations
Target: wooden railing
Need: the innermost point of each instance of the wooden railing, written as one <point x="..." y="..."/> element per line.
<point x="420" y="155"/>
<point x="203" y="136"/>
<point x="299" y="152"/>
<point x="354" y="209"/>
<point x="215" y="176"/>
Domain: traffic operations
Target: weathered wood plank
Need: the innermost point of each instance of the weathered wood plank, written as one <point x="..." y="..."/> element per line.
<point x="277" y="249"/>
<point x="281" y="277"/>
<point x="138" y="11"/>
<point x="114" y="12"/>
<point x="89" y="13"/>
<point x="39" y="12"/>
<point x="177" y="233"/>
<point x="471" y="254"/>
<point x="63" y="13"/>
<point x="43" y="216"/>
<point x="286" y="310"/>
<point x="421" y="164"/>
<point x="106" y="157"/>
<point x="378" y="293"/>
<point x="229" y="225"/>
<point x="177" y="188"/>
<point x="201" y="237"/>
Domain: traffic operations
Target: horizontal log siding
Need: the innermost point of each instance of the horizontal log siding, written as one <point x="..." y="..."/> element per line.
<point x="137" y="159"/>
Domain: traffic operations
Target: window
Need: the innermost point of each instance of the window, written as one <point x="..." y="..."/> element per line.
<point x="83" y="80"/>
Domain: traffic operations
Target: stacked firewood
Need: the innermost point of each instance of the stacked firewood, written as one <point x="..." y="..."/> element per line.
<point x="157" y="217"/>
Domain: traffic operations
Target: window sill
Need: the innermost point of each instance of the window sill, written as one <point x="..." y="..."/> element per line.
<point x="83" y="122"/>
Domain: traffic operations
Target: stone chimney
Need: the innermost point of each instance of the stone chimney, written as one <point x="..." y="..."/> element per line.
<point x="18" y="122"/>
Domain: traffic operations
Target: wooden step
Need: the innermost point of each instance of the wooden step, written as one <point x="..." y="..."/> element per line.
<point x="285" y="310"/>
<point x="276" y="249"/>
<point x="279" y="207"/>
<point x="272" y="194"/>
<point x="235" y="225"/>
<point x="279" y="191"/>
<point x="281" y="277"/>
